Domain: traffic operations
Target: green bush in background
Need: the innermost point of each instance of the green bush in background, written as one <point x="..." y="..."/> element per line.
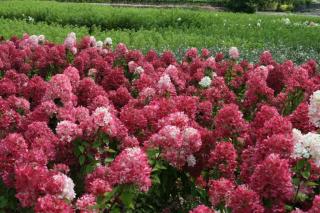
<point x="162" y="29"/>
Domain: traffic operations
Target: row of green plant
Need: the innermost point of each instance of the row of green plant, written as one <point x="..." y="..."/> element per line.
<point x="205" y="27"/>
<point x="211" y="2"/>
<point x="171" y="38"/>
<point x="106" y="17"/>
<point x="129" y="18"/>
<point x="235" y="5"/>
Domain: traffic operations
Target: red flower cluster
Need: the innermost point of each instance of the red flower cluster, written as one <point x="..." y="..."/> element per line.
<point x="82" y="106"/>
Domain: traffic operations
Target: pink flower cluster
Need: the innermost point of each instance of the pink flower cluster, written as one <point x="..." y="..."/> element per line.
<point x="235" y="128"/>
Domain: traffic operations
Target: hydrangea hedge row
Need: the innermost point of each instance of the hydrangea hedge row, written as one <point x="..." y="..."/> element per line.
<point x="88" y="128"/>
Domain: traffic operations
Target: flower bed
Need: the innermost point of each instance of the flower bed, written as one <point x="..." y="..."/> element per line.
<point x="84" y="127"/>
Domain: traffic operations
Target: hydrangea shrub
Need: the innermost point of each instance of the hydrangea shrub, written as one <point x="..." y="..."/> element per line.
<point x="87" y="127"/>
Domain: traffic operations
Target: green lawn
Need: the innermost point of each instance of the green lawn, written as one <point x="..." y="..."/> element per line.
<point x="161" y="29"/>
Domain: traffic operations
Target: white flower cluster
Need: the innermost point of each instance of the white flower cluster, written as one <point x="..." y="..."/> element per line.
<point x="35" y="40"/>
<point x="259" y="23"/>
<point x="314" y="108"/>
<point x="286" y="21"/>
<point x="306" y="146"/>
<point x="108" y="41"/>
<point x="205" y="82"/>
<point x="67" y="187"/>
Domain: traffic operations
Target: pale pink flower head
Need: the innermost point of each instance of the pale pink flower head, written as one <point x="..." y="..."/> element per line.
<point x="211" y="63"/>
<point x="177" y="143"/>
<point x="68" y="131"/>
<point x="71" y="42"/>
<point x="147" y="92"/>
<point x="132" y="66"/>
<point x="234" y="53"/>
<point x="165" y="86"/>
<point x="139" y="70"/>
<point x="102" y="116"/>
<point x="74" y="50"/>
<point x="33" y="41"/>
<point x="168" y="136"/>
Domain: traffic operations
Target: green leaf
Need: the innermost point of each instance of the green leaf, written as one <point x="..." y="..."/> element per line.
<point x="305" y="174"/>
<point x="82" y="159"/>
<point x="96" y="144"/>
<point x="115" y="209"/>
<point x="86" y="144"/>
<point x="89" y="168"/>
<point x="310" y="183"/>
<point x="302" y="197"/>
<point x="153" y="153"/>
<point x="109" y="195"/>
<point x="128" y="196"/>
<point x="111" y="150"/>
<point x="103" y="200"/>
<point x="155" y="179"/>
<point x="300" y="165"/>
<point x="108" y="160"/>
<point x="296" y="181"/>
<point x="3" y="201"/>
<point x="159" y="166"/>
<point x="289" y="208"/>
<point x="81" y="149"/>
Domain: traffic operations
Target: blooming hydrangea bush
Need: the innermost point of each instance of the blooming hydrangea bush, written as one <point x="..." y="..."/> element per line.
<point x="85" y="127"/>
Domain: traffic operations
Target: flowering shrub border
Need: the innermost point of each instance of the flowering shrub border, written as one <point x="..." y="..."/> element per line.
<point x="87" y="128"/>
